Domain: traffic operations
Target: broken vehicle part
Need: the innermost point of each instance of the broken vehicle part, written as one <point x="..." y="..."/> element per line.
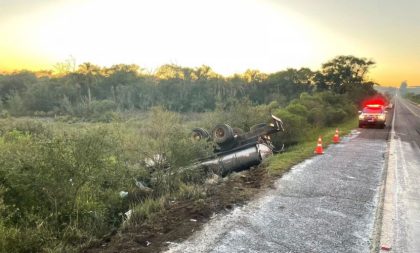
<point x="238" y="160"/>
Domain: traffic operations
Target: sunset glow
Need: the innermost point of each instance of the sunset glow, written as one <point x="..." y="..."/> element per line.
<point x="229" y="36"/>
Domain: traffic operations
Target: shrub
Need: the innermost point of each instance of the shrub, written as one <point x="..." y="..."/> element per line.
<point x="163" y="139"/>
<point x="29" y="126"/>
<point x="67" y="185"/>
<point x="295" y="127"/>
<point x="16" y="105"/>
<point x="4" y="114"/>
<point x="297" y="109"/>
<point x="102" y="106"/>
<point x="316" y="117"/>
<point x="334" y="116"/>
<point x="241" y="114"/>
<point x="320" y="109"/>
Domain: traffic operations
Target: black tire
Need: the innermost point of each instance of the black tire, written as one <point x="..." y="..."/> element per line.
<point x="222" y="133"/>
<point x="199" y="134"/>
<point x="360" y="125"/>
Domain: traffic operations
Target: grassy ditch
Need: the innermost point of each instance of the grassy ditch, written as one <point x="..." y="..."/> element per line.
<point x="180" y="217"/>
<point x="61" y="183"/>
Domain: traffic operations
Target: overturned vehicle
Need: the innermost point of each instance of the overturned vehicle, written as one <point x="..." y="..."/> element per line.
<point x="236" y="150"/>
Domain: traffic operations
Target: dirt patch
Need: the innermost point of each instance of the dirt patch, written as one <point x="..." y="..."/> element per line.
<point x="181" y="218"/>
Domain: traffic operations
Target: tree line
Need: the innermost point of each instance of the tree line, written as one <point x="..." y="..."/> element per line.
<point x="89" y="89"/>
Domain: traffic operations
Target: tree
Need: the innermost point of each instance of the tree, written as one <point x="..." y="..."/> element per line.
<point x="344" y="71"/>
<point x="118" y="75"/>
<point x="289" y="84"/>
<point x="65" y="67"/>
<point x="254" y="76"/>
<point x="42" y="97"/>
<point x="16" y="83"/>
<point x="89" y="74"/>
<point x="204" y="72"/>
<point x="170" y="71"/>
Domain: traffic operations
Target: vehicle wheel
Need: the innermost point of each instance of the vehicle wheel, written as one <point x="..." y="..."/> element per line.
<point x="199" y="134"/>
<point x="360" y="125"/>
<point x="383" y="126"/>
<point x="222" y="133"/>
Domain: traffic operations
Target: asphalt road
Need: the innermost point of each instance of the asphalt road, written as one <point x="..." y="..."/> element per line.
<point x="325" y="204"/>
<point x="401" y="223"/>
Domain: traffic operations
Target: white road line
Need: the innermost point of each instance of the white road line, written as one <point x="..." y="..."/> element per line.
<point x="390" y="194"/>
<point x="393" y="119"/>
<point x="394" y="139"/>
<point x="399" y="235"/>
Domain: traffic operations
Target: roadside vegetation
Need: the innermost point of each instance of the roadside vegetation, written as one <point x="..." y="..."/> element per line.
<point x="413" y="97"/>
<point x="80" y="148"/>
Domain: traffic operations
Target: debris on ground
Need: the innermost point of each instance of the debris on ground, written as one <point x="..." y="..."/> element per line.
<point x="181" y="218"/>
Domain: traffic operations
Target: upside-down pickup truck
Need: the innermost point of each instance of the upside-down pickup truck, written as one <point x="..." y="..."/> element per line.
<point x="236" y="150"/>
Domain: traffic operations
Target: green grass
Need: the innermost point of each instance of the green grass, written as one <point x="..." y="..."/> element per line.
<point x="146" y="210"/>
<point x="126" y="139"/>
<point x="280" y="163"/>
<point x="413" y="97"/>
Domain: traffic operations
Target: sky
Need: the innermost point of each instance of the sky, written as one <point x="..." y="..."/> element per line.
<point x="230" y="36"/>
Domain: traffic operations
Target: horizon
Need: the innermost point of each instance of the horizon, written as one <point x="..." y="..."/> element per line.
<point x="152" y="71"/>
<point x="230" y="37"/>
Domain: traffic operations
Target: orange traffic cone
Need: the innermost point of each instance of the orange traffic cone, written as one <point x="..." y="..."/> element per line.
<point x="336" y="138"/>
<point x="318" y="149"/>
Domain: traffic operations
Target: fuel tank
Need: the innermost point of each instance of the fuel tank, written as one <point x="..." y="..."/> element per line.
<point x="237" y="160"/>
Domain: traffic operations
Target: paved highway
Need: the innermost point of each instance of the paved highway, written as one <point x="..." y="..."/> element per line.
<point x="401" y="217"/>
<point x="326" y="204"/>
